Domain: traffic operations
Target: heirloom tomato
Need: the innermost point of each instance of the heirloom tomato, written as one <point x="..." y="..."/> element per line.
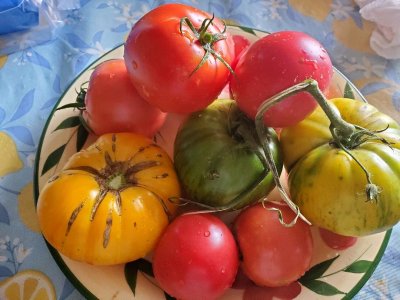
<point x="178" y="57"/>
<point x="109" y="204"/>
<point x="272" y="254"/>
<point x="219" y="159"/>
<point x="274" y="63"/>
<point x="112" y="103"/>
<point x="196" y="257"/>
<point x="348" y="185"/>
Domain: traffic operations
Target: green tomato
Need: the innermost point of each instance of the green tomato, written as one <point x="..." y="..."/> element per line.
<point x="219" y="159"/>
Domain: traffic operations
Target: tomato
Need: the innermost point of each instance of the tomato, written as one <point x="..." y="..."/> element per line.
<point x="109" y="204"/>
<point x="219" y="159"/>
<point x="196" y="257"/>
<point x="273" y="255"/>
<point x="329" y="182"/>
<point x="163" y="61"/>
<point x="274" y="63"/>
<point x="336" y="241"/>
<point x="112" y="104"/>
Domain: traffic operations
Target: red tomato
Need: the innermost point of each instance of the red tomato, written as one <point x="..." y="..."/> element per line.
<point x="161" y="59"/>
<point x="274" y="63"/>
<point x="113" y="104"/>
<point x="196" y="257"/>
<point x="336" y="241"/>
<point x="273" y="255"/>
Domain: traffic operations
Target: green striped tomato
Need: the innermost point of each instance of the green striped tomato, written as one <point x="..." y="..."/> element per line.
<point x="219" y="160"/>
<point x="329" y="185"/>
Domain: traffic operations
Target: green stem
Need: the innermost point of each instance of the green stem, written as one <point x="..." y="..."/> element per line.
<point x="341" y="130"/>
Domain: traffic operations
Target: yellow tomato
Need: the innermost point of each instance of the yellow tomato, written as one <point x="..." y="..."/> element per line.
<point x="111" y="201"/>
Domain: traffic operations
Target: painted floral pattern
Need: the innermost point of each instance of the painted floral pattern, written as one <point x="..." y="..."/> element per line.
<point x="32" y="80"/>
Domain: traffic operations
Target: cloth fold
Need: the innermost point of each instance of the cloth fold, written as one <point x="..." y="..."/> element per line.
<point x="385" y="39"/>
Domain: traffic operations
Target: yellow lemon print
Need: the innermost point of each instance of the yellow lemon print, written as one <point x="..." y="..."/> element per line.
<point x="3" y="60"/>
<point x="350" y="35"/>
<point x="311" y="9"/>
<point x="9" y="159"/>
<point x="26" y="208"/>
<point x="28" y="284"/>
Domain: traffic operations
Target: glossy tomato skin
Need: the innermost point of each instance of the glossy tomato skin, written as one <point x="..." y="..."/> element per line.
<point x="217" y="157"/>
<point x="273" y="255"/>
<point x="90" y="213"/>
<point x="328" y="184"/>
<point x="113" y="104"/>
<point x="160" y="59"/>
<point x="274" y="63"/>
<point x="196" y="258"/>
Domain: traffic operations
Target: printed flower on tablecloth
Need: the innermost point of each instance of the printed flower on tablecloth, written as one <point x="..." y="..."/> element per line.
<point x="127" y="15"/>
<point x="12" y="255"/>
<point x="367" y="67"/>
<point x="342" y="10"/>
<point x="271" y="9"/>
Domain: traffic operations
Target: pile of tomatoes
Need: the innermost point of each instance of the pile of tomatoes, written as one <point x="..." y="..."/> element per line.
<point x="177" y="60"/>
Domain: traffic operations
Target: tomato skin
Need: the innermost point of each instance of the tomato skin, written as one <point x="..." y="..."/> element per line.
<point x="196" y="258"/>
<point x="336" y="241"/>
<point x="85" y="215"/>
<point x="273" y="255"/>
<point x="329" y="186"/>
<point x="274" y="63"/>
<point x="160" y="60"/>
<point x="113" y="104"/>
<point x="211" y="150"/>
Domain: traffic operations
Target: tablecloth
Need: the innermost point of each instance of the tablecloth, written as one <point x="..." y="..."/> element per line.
<point x="31" y="81"/>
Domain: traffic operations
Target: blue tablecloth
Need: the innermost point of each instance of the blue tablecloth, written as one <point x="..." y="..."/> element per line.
<point x="32" y="80"/>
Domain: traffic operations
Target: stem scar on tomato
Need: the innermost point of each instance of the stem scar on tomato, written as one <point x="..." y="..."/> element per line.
<point x="207" y="40"/>
<point x="115" y="177"/>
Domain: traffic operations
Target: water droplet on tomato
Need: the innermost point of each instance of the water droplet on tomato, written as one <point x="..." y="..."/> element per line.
<point x="206" y="233"/>
<point x="310" y="62"/>
<point x="134" y="64"/>
<point x="223" y="271"/>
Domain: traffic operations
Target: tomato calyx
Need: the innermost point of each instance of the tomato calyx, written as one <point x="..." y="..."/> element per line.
<point x="207" y="40"/>
<point x="80" y="105"/>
